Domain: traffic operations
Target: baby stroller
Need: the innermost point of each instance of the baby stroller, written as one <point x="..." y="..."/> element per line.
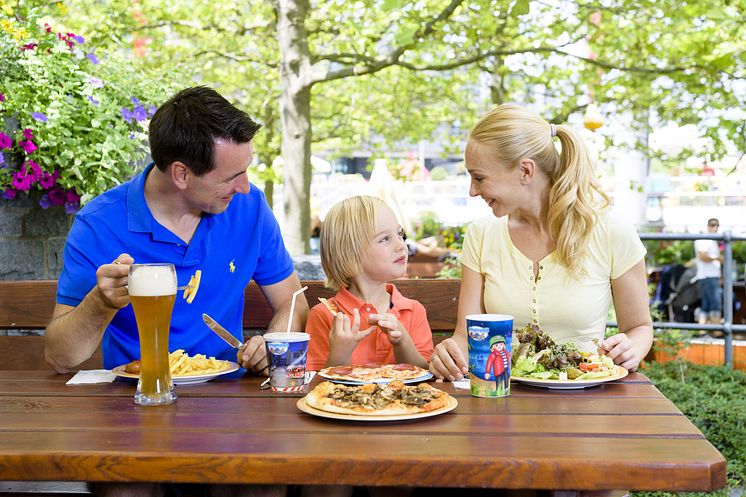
<point x="684" y="297"/>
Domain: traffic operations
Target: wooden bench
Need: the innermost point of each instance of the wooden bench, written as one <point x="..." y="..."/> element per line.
<point x="28" y="305"/>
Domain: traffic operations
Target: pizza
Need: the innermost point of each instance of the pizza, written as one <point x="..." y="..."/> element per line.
<point x="372" y="399"/>
<point x="330" y="305"/>
<point x="372" y="372"/>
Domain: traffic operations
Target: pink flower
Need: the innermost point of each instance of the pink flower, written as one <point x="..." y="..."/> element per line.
<point x="28" y="133"/>
<point x="5" y="141"/>
<point x="71" y="197"/>
<point x="46" y="181"/>
<point x="56" y="174"/>
<point x="21" y="181"/>
<point x="2" y="97"/>
<point x="28" y="146"/>
<point x="57" y="196"/>
<point x="9" y="194"/>
<point x="33" y="170"/>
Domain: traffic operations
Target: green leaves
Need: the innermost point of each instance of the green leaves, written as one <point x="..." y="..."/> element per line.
<point x="520" y="8"/>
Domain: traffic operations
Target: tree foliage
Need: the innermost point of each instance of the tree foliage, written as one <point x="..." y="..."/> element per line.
<point x="380" y="72"/>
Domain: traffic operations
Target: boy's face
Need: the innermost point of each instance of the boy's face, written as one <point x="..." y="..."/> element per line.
<point x="386" y="258"/>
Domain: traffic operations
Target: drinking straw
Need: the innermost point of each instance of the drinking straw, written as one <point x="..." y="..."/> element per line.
<point x="292" y="307"/>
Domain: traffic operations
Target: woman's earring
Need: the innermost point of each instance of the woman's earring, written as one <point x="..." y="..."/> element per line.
<point x="524" y="182"/>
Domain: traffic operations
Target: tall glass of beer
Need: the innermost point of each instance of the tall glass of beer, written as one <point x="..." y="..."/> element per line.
<point x="152" y="289"/>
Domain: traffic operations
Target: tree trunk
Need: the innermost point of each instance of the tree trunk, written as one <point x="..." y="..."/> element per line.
<point x="295" y="115"/>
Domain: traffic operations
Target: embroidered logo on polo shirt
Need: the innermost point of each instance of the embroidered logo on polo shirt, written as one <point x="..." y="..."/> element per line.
<point x="232" y="266"/>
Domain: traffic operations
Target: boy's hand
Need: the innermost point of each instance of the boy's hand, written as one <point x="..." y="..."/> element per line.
<point x="344" y="336"/>
<point x="394" y="329"/>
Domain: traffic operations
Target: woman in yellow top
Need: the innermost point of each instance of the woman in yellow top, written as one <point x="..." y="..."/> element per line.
<point x="553" y="254"/>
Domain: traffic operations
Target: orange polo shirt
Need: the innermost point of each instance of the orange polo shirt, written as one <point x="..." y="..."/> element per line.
<point x="376" y="346"/>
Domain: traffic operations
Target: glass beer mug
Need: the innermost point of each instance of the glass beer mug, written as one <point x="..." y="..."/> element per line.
<point x="152" y="290"/>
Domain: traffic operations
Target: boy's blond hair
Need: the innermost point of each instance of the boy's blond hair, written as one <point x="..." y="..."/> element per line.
<point x="346" y="233"/>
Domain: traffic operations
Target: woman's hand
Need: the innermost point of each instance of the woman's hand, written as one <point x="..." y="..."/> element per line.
<point x="448" y="361"/>
<point x="622" y="351"/>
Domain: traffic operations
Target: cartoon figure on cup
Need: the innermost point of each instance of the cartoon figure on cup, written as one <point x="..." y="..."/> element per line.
<point x="498" y="363"/>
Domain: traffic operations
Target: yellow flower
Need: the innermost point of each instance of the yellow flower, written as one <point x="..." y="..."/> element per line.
<point x="6" y="8"/>
<point x="7" y="26"/>
<point x="62" y="8"/>
<point x="20" y="34"/>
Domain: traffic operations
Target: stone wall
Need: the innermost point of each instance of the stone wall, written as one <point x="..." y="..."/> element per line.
<point x="31" y="240"/>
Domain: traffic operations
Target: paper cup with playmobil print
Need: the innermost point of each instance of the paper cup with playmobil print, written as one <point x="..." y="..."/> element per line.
<point x="286" y="353"/>
<point x="490" y="346"/>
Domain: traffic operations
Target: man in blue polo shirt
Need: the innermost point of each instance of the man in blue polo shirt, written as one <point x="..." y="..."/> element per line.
<point x="195" y="208"/>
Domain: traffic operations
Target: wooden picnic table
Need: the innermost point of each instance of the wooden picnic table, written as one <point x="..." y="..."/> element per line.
<point x="621" y="435"/>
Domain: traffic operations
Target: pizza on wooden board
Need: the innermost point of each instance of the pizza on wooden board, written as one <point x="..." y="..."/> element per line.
<point x="373" y="372"/>
<point x="372" y="399"/>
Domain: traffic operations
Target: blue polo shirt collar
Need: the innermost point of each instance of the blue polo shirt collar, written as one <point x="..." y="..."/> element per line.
<point x="141" y="220"/>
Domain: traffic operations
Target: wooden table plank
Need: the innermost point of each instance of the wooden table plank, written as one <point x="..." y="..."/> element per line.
<point x="516" y="405"/>
<point x="215" y="420"/>
<point x="621" y="435"/>
<point x="346" y="458"/>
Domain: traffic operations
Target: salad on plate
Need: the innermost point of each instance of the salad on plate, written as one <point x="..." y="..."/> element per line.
<point x="537" y="355"/>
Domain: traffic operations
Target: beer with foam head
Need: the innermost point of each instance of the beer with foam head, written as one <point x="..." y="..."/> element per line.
<point x="152" y="290"/>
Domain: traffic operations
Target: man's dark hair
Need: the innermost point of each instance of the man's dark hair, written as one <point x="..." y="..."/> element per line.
<point x="185" y="128"/>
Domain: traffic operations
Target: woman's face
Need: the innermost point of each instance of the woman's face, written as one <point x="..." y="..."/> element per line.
<point x="499" y="186"/>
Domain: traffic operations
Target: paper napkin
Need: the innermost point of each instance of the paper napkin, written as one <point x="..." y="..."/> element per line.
<point x="92" y="376"/>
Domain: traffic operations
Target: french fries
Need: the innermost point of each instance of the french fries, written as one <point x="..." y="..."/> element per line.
<point x="181" y="364"/>
<point x="191" y="289"/>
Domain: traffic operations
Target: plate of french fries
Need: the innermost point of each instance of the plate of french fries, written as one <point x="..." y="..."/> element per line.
<point x="185" y="369"/>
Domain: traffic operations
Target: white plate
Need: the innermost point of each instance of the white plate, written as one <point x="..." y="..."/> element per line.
<point x="383" y="381"/>
<point x="301" y="404"/>
<point x="571" y="384"/>
<point x="181" y="380"/>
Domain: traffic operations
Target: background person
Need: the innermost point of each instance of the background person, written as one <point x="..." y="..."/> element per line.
<point x="546" y="257"/>
<point x="708" y="262"/>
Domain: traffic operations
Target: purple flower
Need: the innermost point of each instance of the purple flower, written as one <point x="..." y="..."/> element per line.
<point x="132" y="136"/>
<point x="139" y="113"/>
<point x="56" y="174"/>
<point x="39" y="116"/>
<point x="127" y="114"/>
<point x="9" y="194"/>
<point x="79" y="39"/>
<point x="135" y="101"/>
<point x="93" y="100"/>
<point x="2" y="161"/>
<point x="71" y="207"/>
<point x="95" y="82"/>
<point x="92" y="57"/>
<point x="29" y="46"/>
<point x="151" y="110"/>
<point x="5" y="141"/>
<point x="28" y="146"/>
<point x="71" y="197"/>
<point x="28" y="133"/>
<point x="44" y="202"/>
<point x="46" y="181"/>
<point x="56" y="196"/>
<point x="2" y="97"/>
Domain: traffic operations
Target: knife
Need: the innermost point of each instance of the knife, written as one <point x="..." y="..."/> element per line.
<point x="221" y="332"/>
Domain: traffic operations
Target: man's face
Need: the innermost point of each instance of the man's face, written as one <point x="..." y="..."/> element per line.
<point x="213" y="192"/>
<point x="712" y="226"/>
